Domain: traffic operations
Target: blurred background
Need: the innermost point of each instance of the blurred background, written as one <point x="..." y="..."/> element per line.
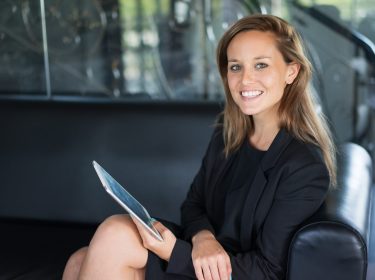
<point x="154" y="50"/>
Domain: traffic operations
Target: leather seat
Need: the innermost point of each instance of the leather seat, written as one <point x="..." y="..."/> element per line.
<point x="332" y="244"/>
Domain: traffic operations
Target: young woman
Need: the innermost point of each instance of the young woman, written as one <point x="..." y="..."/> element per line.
<point x="267" y="168"/>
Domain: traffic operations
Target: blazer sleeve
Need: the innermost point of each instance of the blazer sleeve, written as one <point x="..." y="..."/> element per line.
<point x="193" y="210"/>
<point x="297" y="198"/>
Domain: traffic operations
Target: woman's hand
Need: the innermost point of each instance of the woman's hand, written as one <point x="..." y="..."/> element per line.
<point x="210" y="260"/>
<point x="161" y="248"/>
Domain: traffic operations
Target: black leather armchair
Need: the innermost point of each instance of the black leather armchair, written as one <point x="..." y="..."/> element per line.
<point x="333" y="243"/>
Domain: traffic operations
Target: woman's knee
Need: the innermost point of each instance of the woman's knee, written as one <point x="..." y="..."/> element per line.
<point x="74" y="263"/>
<point x="117" y="225"/>
<point x="117" y="229"/>
<point x="118" y="238"/>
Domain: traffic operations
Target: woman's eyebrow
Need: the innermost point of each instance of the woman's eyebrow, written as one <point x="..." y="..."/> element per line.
<point x="255" y="58"/>
<point x="262" y="57"/>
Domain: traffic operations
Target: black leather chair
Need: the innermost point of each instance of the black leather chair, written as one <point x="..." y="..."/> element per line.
<point x="333" y="243"/>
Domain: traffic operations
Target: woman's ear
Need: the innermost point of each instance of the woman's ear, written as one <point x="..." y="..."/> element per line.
<point x="292" y="72"/>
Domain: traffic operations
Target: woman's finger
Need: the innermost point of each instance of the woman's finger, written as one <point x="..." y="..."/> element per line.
<point x="198" y="270"/>
<point x="222" y="267"/>
<point x="214" y="269"/>
<point x="145" y="235"/>
<point x="206" y="272"/>
<point x="229" y="267"/>
<point x="162" y="229"/>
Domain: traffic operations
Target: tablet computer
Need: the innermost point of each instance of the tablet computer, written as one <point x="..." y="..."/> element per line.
<point x="126" y="200"/>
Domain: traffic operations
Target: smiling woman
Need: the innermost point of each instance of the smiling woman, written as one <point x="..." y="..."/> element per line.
<point x="267" y="168"/>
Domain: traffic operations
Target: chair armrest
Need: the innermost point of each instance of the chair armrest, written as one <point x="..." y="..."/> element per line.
<point x="332" y="244"/>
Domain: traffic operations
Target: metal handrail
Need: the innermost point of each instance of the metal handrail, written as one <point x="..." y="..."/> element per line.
<point x="359" y="39"/>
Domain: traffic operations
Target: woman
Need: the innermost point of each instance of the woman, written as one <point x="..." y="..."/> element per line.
<point x="267" y="168"/>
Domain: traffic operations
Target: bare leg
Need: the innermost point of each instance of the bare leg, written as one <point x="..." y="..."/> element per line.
<point x="115" y="251"/>
<point x="73" y="266"/>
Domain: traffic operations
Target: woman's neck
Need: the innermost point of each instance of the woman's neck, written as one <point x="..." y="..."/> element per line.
<point x="263" y="135"/>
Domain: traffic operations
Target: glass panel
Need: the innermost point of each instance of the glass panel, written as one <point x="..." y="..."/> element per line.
<point x="158" y="49"/>
<point x="21" y="50"/>
<point x="117" y="49"/>
<point x="84" y="46"/>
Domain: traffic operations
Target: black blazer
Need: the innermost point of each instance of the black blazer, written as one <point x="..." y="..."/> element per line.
<point x="289" y="186"/>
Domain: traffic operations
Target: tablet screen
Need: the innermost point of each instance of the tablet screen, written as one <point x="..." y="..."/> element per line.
<point x="125" y="199"/>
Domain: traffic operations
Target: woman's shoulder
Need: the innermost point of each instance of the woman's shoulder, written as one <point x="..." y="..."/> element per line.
<point x="299" y="153"/>
<point x="217" y="138"/>
<point x="301" y="165"/>
<point x="305" y="150"/>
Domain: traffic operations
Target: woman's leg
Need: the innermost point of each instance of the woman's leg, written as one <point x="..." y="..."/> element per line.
<point x="73" y="266"/>
<point x="115" y="251"/>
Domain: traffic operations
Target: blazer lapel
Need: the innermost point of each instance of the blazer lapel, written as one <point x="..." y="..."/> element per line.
<point x="258" y="187"/>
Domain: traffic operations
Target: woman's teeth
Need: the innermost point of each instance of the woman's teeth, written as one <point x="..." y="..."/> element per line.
<point x="251" y="93"/>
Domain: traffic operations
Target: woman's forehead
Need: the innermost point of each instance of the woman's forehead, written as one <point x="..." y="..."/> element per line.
<point x="256" y="44"/>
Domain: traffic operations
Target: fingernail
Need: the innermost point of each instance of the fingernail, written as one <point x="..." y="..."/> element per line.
<point x="153" y="220"/>
<point x="230" y="277"/>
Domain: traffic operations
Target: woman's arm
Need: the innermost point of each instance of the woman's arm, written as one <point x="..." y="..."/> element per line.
<point x="194" y="217"/>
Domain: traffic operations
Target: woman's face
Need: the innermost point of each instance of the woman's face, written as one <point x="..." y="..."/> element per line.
<point x="257" y="73"/>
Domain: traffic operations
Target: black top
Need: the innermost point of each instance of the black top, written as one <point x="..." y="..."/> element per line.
<point x="236" y="182"/>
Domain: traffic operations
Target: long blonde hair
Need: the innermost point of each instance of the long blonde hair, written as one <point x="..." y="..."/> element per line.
<point x="297" y="110"/>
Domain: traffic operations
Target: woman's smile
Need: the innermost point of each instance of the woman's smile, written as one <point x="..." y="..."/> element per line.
<point x="251" y="93"/>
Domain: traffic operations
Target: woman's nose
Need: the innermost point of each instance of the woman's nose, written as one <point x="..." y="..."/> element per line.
<point x="248" y="76"/>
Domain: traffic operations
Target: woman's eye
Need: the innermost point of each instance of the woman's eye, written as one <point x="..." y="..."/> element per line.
<point x="234" y="68"/>
<point x="259" y="66"/>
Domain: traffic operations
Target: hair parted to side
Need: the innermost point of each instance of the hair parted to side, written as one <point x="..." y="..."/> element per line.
<point x="297" y="110"/>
